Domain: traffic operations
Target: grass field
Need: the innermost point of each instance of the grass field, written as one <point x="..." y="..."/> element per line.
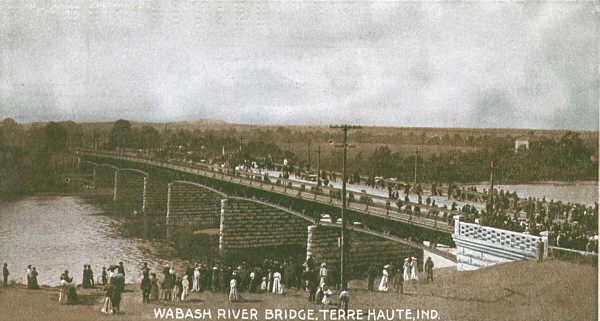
<point x="553" y="290"/>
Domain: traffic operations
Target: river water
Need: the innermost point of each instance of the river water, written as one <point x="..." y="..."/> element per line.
<point x="583" y="192"/>
<point x="64" y="232"/>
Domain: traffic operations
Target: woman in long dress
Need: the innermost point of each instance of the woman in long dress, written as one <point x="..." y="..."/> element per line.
<point x="383" y="285"/>
<point x="196" y="281"/>
<point x="277" y="283"/>
<point x="413" y="269"/>
<point x="108" y="292"/>
<point x="323" y="274"/>
<point x="175" y="291"/>
<point x="406" y="269"/>
<point x="68" y="294"/>
<point x="185" y="284"/>
<point x="233" y="292"/>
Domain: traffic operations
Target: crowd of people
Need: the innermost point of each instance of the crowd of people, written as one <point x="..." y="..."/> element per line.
<point x="270" y="277"/>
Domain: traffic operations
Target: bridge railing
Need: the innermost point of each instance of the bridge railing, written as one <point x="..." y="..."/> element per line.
<point x="572" y="255"/>
<point x="514" y="241"/>
<point x="435" y="224"/>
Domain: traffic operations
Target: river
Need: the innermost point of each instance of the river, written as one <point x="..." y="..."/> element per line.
<point x="583" y="192"/>
<point x="65" y="232"/>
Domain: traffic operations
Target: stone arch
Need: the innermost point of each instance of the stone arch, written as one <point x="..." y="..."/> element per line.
<point x="249" y="223"/>
<point x="131" y="190"/>
<point x="193" y="205"/>
<point x="364" y="248"/>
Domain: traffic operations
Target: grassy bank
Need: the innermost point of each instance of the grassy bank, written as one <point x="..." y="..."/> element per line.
<point x="553" y="290"/>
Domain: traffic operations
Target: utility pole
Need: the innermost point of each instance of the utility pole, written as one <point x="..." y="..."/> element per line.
<point x="491" y="188"/>
<point x="308" y="151"/>
<point x="319" y="166"/>
<point x="416" y="160"/>
<point x="343" y="256"/>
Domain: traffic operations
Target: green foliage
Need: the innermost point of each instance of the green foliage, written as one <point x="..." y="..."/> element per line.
<point x="120" y="135"/>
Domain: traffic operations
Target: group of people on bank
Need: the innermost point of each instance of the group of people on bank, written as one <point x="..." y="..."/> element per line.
<point x="272" y="277"/>
<point x="394" y="276"/>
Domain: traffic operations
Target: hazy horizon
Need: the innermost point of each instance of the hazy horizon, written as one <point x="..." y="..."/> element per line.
<point x="377" y="63"/>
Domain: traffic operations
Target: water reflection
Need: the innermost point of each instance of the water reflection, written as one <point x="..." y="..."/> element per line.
<point x="58" y="233"/>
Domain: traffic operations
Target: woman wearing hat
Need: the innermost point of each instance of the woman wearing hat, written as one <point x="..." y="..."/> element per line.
<point x="233" y="292"/>
<point x="277" y="288"/>
<point x="406" y="269"/>
<point x="323" y="274"/>
<point x="413" y="269"/>
<point x="383" y="285"/>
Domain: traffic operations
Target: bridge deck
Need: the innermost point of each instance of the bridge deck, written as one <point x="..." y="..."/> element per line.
<point x="323" y="199"/>
<point x="391" y="214"/>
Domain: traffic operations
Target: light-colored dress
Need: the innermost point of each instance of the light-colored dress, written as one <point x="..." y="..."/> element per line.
<point x="196" y="283"/>
<point x="383" y="285"/>
<point x="233" y="293"/>
<point x="323" y="275"/>
<point x="263" y="284"/>
<point x="326" y="294"/>
<point x="406" y="271"/>
<point x="277" y="283"/>
<point x="413" y="270"/>
<point x="186" y="288"/>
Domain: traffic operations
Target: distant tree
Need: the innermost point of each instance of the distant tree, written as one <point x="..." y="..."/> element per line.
<point x="120" y="134"/>
<point x="150" y="137"/>
<point x="56" y="137"/>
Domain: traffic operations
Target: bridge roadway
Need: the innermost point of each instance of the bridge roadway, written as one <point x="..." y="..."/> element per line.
<point x="391" y="214"/>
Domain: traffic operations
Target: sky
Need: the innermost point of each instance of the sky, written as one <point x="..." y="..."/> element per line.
<point x="382" y="63"/>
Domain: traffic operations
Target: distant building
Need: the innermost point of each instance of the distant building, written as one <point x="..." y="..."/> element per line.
<point x="521" y="141"/>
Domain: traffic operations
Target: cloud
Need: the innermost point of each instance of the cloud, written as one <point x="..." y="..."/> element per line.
<point x="465" y="64"/>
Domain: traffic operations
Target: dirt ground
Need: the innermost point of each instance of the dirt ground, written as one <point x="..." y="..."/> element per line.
<point x="553" y="290"/>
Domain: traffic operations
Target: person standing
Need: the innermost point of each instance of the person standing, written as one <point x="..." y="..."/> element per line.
<point x="175" y="289"/>
<point x="118" y="282"/>
<point x="104" y="276"/>
<point x="121" y="269"/>
<point x="371" y="274"/>
<point x="383" y="284"/>
<point x="196" y="280"/>
<point x="323" y="274"/>
<point x="107" y="306"/>
<point x="326" y="294"/>
<point x="34" y="281"/>
<point x="344" y="300"/>
<point x="406" y="268"/>
<point x="154" y="287"/>
<point x="185" y="285"/>
<point x="5" y="274"/>
<point x="429" y="269"/>
<point x="277" y="289"/>
<point x="85" y="281"/>
<point x="399" y="281"/>
<point x="233" y="292"/>
<point x="146" y="287"/>
<point x="413" y="269"/>
<point x="28" y="277"/>
<point x="90" y="276"/>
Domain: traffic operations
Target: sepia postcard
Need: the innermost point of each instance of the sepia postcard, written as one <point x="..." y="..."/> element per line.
<point x="299" y="160"/>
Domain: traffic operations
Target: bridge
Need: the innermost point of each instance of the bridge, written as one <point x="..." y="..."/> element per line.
<point x="251" y="211"/>
<point x="256" y="213"/>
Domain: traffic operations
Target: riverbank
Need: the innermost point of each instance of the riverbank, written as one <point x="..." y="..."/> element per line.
<point x="553" y="290"/>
